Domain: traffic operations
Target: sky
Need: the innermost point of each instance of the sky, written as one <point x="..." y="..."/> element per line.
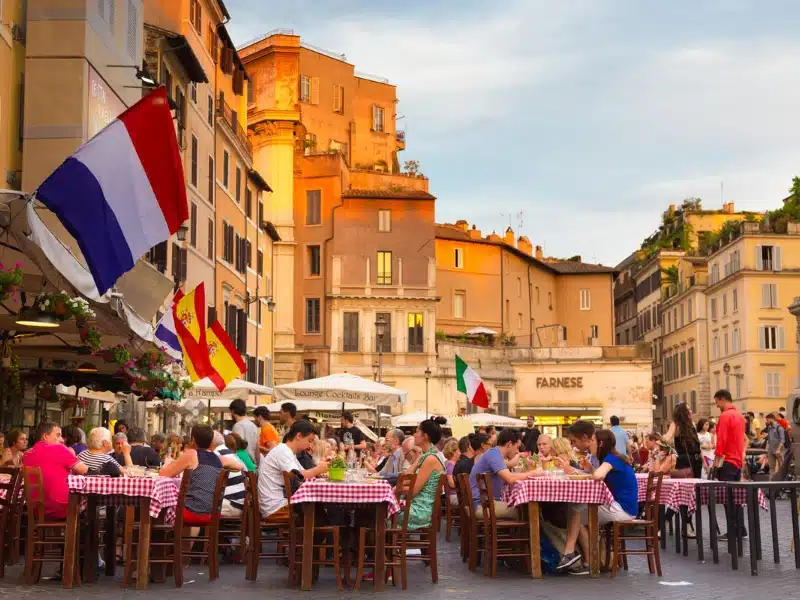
<point x="588" y="116"/>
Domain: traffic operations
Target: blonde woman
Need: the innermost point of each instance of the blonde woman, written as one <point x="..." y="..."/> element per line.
<point x="451" y="455"/>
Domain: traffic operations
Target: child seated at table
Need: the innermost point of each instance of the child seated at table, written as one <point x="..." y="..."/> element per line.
<point x="618" y="475"/>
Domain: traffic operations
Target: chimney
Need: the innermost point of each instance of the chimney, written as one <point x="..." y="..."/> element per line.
<point x="475" y="233"/>
<point x="524" y="245"/>
<point x="730" y="208"/>
<point x="462" y="225"/>
<point x="539" y="253"/>
<point x="508" y="238"/>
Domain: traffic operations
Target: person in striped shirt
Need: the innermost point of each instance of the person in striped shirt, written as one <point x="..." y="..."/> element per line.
<point x="233" y="499"/>
<point x="98" y="456"/>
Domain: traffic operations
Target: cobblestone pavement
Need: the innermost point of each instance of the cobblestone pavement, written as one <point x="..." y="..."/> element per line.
<point x="683" y="577"/>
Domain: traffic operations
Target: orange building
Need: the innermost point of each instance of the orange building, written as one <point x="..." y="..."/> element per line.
<point x="357" y="234"/>
<point x="503" y="284"/>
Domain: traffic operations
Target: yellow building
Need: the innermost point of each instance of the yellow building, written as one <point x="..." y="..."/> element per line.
<point x="12" y="84"/>
<point x="685" y="341"/>
<point x="753" y="278"/>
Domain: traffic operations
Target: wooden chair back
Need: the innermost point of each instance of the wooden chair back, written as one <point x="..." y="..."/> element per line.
<point x="441" y="487"/>
<point x="185" y="479"/>
<point x="404" y="491"/>
<point x="288" y="479"/>
<point x="251" y="495"/>
<point x="653" y="497"/>
<point x="10" y="482"/>
<point x="34" y="494"/>
<point x="487" y="500"/>
<point x="219" y="493"/>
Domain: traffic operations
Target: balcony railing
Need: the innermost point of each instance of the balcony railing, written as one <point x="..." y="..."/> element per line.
<point x="232" y="119"/>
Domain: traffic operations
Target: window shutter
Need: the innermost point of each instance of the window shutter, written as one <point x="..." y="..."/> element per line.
<point x="315" y="90"/>
<point x="781" y="338"/>
<point x="773" y="288"/>
<point x="238" y="82"/>
<point x="759" y="259"/>
<point x="212" y="314"/>
<point x="776" y="258"/>
<point x="183" y="265"/>
<point x="762" y="337"/>
<point x="374" y="117"/>
<point x="765" y="295"/>
<point x="175" y="262"/>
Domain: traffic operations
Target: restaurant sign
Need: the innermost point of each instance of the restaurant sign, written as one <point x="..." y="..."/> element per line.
<point x="104" y="105"/>
<point x="559" y="382"/>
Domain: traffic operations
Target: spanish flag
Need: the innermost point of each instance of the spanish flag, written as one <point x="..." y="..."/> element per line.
<point x="189" y="312"/>
<point x="226" y="362"/>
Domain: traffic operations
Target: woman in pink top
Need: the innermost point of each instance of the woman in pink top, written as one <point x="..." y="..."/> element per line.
<point x="56" y="462"/>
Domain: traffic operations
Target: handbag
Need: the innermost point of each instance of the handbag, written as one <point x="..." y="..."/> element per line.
<point x="685" y="472"/>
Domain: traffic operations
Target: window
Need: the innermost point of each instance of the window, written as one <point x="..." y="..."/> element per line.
<point x="502" y="402"/>
<point x="725" y="343"/>
<point x="594" y="332"/>
<point x="384" y="220"/>
<point x="386" y="342"/>
<point x="519" y="287"/>
<point x="312" y="315"/>
<point x="771" y="337"/>
<point x="738" y="386"/>
<point x="310" y="144"/>
<point x="690" y="360"/>
<point x="226" y="166"/>
<point x="211" y="179"/>
<point x="458" y="258"/>
<point x="384" y="268"/>
<point x="260" y="262"/>
<point x="669" y="322"/>
<point x="550" y="300"/>
<point x="193" y="225"/>
<point x="338" y="98"/>
<point x="586" y="303"/>
<point x="773" y="381"/>
<point x="713" y="309"/>
<point x="211" y="110"/>
<point x="227" y="242"/>
<point x="313" y="208"/>
<point x="248" y="202"/>
<point x="734" y="300"/>
<point x="724" y="305"/>
<point x="689" y="309"/>
<point x="459" y="304"/>
<point x="179" y="260"/>
<point x="562" y="335"/>
<point x="249" y="254"/>
<point x="193" y="92"/>
<point x="350" y="332"/>
<point x="519" y="320"/>
<point x="309" y="369"/>
<point x="416" y="341"/>
<point x="194" y="161"/>
<point x="768" y="258"/>
<point x="210" y="249"/>
<point x="537" y="294"/>
<point x="260" y="213"/>
<point x="377" y="118"/>
<point x="251" y="92"/>
<point x="196" y="15"/>
<point x="693" y="401"/>
<point x="715" y="348"/>
<point x="238" y="185"/>
<point x="619" y="339"/>
<point x="769" y="295"/>
<point x="133" y="29"/>
<point x="305" y="89"/>
<point x="314" y="261"/>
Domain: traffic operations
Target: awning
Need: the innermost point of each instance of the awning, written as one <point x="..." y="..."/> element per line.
<point x="341" y="387"/>
<point x="237" y="389"/>
<point x="366" y="430"/>
<point x="480" y="331"/>
<point x="191" y="64"/>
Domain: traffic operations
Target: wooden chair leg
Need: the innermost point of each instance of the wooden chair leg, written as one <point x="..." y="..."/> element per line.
<point x="362" y="542"/>
<point x="433" y="559"/>
<point x="177" y="561"/>
<point x="615" y="550"/>
<point x="656" y="551"/>
<point x="337" y="571"/>
<point x="607" y="537"/>
<point x="29" y="552"/>
<point x="624" y="554"/>
<point x="649" y="548"/>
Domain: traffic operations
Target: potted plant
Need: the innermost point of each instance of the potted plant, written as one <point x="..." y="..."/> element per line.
<point x="10" y="280"/>
<point x="337" y="469"/>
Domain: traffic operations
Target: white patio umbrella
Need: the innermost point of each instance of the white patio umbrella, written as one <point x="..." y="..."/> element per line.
<point x="485" y="419"/>
<point x="480" y="331"/>
<point x="411" y="419"/>
<point x="207" y="391"/>
<point x="343" y="388"/>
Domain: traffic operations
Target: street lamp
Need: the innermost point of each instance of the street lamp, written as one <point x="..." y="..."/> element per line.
<point x="375" y="371"/>
<point x="380" y="331"/>
<point x="427" y="377"/>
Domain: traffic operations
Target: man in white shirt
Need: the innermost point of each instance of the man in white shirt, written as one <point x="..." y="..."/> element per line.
<point x="283" y="458"/>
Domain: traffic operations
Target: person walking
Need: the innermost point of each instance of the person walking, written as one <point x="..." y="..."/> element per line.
<point x="729" y="451"/>
<point x="621" y="436"/>
<point x="706" y="445"/>
<point x="776" y="444"/>
<point x="248" y="430"/>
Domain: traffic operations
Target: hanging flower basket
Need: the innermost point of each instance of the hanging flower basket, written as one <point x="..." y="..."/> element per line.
<point x="10" y="281"/>
<point x="64" y="307"/>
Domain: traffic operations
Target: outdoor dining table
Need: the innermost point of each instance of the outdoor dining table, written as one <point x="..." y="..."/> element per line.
<point x="155" y="496"/>
<point x="373" y="492"/>
<point x="570" y="491"/>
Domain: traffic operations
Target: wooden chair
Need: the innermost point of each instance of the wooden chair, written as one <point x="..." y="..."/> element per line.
<point x="10" y="507"/>
<point x="504" y="538"/>
<point x="170" y="538"/>
<point x="231" y="528"/>
<point x="426" y="539"/>
<point x="279" y="528"/>
<point x="616" y="536"/>
<point x="46" y="538"/>
<point x="396" y="536"/>
<point x="452" y="514"/>
<point x="472" y="531"/>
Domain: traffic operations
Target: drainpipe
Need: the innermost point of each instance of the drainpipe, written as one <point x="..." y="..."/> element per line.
<point x="530" y="308"/>
<point x="325" y="278"/>
<point x="502" y="297"/>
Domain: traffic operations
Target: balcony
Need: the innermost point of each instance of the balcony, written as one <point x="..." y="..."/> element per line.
<point x="230" y="116"/>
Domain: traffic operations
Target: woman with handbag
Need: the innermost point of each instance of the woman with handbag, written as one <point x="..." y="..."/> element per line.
<point x="683" y="435"/>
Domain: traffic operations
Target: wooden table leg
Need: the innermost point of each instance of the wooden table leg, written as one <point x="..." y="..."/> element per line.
<point x="380" y="547"/>
<point x="143" y="558"/>
<point x="795" y="525"/>
<point x="733" y="528"/>
<point x="70" y="541"/>
<point x="307" y="569"/>
<point x="713" y="526"/>
<point x="757" y="523"/>
<point x="678" y="530"/>
<point x="594" y="542"/>
<point x="751" y="517"/>
<point x="536" y="559"/>
<point x="111" y="540"/>
<point x="91" y="545"/>
<point x="698" y="528"/>
<point x="773" y="518"/>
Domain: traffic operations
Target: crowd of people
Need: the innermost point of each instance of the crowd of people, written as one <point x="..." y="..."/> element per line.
<point x="709" y="449"/>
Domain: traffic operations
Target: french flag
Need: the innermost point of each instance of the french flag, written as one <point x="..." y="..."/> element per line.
<point x="166" y="334"/>
<point x="123" y="191"/>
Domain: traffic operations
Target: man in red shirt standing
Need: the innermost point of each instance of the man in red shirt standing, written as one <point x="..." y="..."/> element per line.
<point x="729" y="453"/>
<point x="56" y="462"/>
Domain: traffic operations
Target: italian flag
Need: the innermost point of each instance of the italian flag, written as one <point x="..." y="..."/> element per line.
<point x="469" y="382"/>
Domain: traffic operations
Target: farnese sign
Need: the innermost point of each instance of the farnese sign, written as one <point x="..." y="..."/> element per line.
<point x="559" y="382"/>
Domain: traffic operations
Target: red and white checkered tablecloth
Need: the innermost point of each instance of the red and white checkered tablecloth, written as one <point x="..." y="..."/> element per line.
<point x="542" y="489"/>
<point x="162" y="491"/>
<point x="682" y="492"/>
<point x="321" y="490"/>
